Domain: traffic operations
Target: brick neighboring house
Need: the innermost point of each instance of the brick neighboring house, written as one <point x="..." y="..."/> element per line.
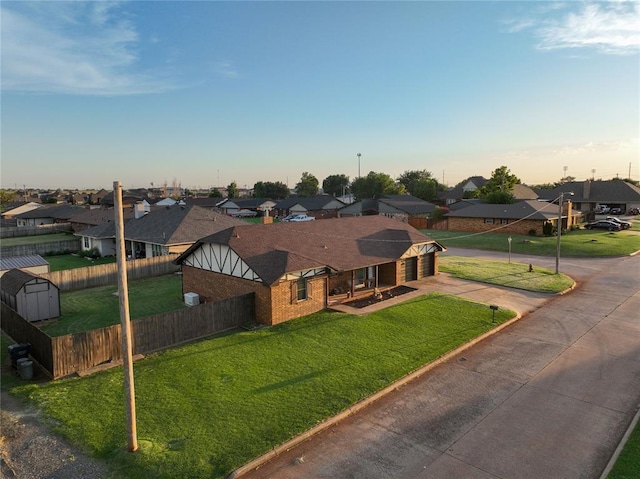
<point x="407" y="208"/>
<point x="589" y="195"/>
<point x="516" y="218"/>
<point x="295" y="269"/>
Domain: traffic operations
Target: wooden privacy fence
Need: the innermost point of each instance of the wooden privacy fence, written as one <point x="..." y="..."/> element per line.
<point x="42" y="249"/>
<point x="14" y="232"/>
<point x="106" y="274"/>
<point x="65" y="355"/>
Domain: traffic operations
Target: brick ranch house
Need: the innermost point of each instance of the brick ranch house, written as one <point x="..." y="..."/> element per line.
<point x="295" y="269"/>
<point x="516" y="218"/>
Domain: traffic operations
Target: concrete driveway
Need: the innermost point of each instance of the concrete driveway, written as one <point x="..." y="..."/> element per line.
<point x="548" y="397"/>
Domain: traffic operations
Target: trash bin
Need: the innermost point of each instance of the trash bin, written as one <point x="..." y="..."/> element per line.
<point x="25" y="368"/>
<point x="19" y="351"/>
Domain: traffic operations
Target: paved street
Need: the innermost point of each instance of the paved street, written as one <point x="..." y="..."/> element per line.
<point x="550" y="396"/>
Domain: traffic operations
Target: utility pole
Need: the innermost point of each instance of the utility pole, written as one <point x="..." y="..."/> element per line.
<point x="359" y="155"/>
<point x="125" y="321"/>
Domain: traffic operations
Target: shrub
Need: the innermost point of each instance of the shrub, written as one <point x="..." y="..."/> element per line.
<point x="547" y="228"/>
<point x="532" y="232"/>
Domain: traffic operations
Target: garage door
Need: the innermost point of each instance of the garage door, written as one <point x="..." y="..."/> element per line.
<point x="427" y="265"/>
<point x="411" y="269"/>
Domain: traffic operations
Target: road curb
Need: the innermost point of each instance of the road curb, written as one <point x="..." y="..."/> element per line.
<point x="623" y="442"/>
<point x="259" y="461"/>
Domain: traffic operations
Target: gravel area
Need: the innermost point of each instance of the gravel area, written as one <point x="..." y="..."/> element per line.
<point x="30" y="450"/>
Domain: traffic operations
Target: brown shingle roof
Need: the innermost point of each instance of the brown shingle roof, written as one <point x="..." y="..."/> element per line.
<point x="341" y="244"/>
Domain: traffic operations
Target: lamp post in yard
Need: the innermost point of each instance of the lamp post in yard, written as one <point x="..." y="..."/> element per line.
<point x="509" y="240"/>
<point x="359" y="155"/>
<point x="559" y="228"/>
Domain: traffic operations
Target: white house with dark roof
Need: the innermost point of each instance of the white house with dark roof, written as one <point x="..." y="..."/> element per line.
<point x="589" y="195"/>
<point x="163" y="231"/>
<point x="295" y="269"/>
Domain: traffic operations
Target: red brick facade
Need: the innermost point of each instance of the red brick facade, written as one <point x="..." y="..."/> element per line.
<point x="476" y="225"/>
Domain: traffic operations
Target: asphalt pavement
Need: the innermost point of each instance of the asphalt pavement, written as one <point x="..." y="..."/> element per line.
<point x="549" y="396"/>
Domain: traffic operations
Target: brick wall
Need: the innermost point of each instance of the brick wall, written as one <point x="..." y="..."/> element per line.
<point x="475" y="225"/>
<point x="273" y="304"/>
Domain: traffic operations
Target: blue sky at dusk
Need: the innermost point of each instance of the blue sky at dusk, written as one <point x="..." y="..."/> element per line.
<point x="205" y="93"/>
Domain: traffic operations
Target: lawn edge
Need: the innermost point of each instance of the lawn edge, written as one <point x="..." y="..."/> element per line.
<point x="360" y="405"/>
<point x="621" y="445"/>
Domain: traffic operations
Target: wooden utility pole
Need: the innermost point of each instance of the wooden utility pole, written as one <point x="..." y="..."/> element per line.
<point x="125" y="321"/>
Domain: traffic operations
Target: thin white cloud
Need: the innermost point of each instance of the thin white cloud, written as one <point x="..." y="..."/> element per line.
<point x="85" y="48"/>
<point x="226" y="69"/>
<point x="609" y="27"/>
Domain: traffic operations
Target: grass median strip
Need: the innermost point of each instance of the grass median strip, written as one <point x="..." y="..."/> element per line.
<point x="207" y="408"/>
<point x="502" y="273"/>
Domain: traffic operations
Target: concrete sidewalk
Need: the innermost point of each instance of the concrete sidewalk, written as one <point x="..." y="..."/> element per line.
<point x="550" y="396"/>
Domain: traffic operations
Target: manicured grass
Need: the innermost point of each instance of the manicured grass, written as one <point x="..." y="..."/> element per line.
<point x="70" y="261"/>
<point x="503" y="273"/>
<point x="628" y="464"/>
<point x="207" y="408"/>
<point x="579" y="243"/>
<point x="94" y="308"/>
<point x="52" y="238"/>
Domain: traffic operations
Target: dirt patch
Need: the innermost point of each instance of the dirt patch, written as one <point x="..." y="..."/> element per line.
<point x="382" y="296"/>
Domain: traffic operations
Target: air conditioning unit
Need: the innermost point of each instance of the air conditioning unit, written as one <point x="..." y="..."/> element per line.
<point x="191" y="299"/>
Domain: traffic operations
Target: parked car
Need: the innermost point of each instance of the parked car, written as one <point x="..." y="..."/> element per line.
<point x="245" y="214"/>
<point x="298" y="218"/>
<point x="604" y="224"/>
<point x="634" y="211"/>
<point x="616" y="211"/>
<point x="625" y="225"/>
<point x="602" y="210"/>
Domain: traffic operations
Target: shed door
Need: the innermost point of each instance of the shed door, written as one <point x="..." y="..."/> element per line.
<point x="411" y="269"/>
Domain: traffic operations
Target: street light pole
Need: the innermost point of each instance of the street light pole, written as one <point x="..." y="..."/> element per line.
<point x="509" y="240"/>
<point x="359" y="155"/>
<point x="559" y="228"/>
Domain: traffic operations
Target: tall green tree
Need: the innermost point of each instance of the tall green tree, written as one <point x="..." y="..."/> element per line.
<point x="375" y="185"/>
<point x="421" y="184"/>
<point x="6" y="197"/>
<point x="498" y="189"/>
<point x="336" y="185"/>
<point x="268" y="189"/>
<point x="232" y="190"/>
<point x="308" y="185"/>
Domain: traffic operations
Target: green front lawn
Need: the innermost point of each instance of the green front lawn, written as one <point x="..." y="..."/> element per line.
<point x="579" y="243"/>
<point x="503" y="273"/>
<point x="94" y="308"/>
<point x="207" y="408"/>
<point x="628" y="464"/>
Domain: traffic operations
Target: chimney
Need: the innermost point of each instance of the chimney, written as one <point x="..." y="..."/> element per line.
<point x="586" y="189"/>
<point x="138" y="211"/>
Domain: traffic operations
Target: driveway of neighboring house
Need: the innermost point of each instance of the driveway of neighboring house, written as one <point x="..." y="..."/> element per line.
<point x="550" y="396"/>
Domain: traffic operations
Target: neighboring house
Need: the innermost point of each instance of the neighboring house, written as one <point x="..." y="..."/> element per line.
<point x="320" y="206"/>
<point x="34" y="263"/>
<point x="463" y="190"/>
<point x="163" y="231"/>
<point x="296" y="269"/>
<point x="32" y="297"/>
<point x="517" y="218"/>
<point x="231" y="206"/>
<point x="96" y="198"/>
<point x="19" y="208"/>
<point x="48" y="214"/>
<point x="589" y="195"/>
<point x="89" y="218"/>
<point x="405" y="207"/>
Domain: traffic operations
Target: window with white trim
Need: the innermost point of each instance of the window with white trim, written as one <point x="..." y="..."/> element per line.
<point x="488" y="221"/>
<point x="301" y="289"/>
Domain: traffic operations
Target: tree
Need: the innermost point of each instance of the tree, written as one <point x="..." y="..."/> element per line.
<point x="336" y="185"/>
<point x="232" y="190"/>
<point x="421" y="184"/>
<point x="308" y="185"/>
<point x="215" y="193"/>
<point x="6" y="197"/>
<point x="499" y="187"/>
<point x="374" y="185"/>
<point x="268" y="189"/>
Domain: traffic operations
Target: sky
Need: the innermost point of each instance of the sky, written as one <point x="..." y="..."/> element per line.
<point x="208" y="92"/>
